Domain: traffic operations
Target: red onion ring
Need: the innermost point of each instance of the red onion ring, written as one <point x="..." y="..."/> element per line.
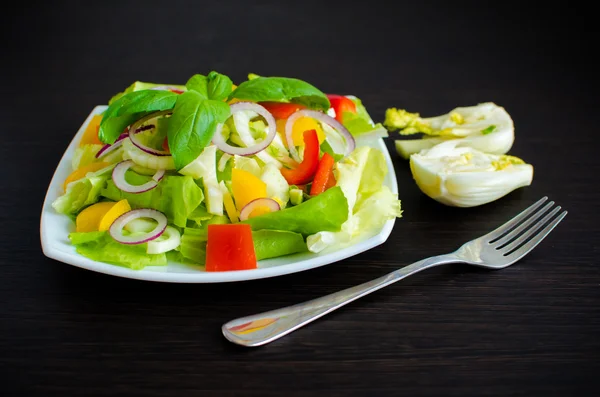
<point x="133" y="130"/>
<point x="116" y="229"/>
<point x="256" y="203"/>
<point x="323" y="118"/>
<point x="118" y="177"/>
<point x="219" y="141"/>
<point x="108" y="148"/>
<point x="167" y="88"/>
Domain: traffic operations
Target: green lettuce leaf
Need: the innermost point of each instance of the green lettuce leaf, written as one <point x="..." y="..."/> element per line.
<point x="275" y="243"/>
<point x="175" y="196"/>
<point x="83" y="192"/>
<point x="84" y="155"/>
<point x="99" y="246"/>
<point x="325" y="212"/>
<point x="193" y="245"/>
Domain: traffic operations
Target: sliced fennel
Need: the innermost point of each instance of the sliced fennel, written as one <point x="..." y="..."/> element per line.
<point x="143" y="159"/>
<point x="486" y="127"/>
<point x="466" y="177"/>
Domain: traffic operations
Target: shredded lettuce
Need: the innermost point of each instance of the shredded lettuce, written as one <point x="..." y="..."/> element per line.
<point x="99" y="246"/>
<point x="84" y="155"/>
<point x="175" y="196"/>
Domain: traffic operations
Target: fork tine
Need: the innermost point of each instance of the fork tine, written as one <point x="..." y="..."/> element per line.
<point x="531" y="244"/>
<point x="531" y="231"/>
<point x="530" y="221"/>
<point x="514" y="221"/>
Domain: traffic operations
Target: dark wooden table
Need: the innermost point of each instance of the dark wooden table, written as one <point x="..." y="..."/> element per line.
<point x="532" y="329"/>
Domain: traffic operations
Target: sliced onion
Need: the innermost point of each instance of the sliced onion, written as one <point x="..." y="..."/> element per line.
<point x="219" y="141"/>
<point x="136" y="127"/>
<point x="116" y="229"/>
<point x="172" y="241"/>
<point x="108" y="148"/>
<point x="257" y="203"/>
<point x="118" y="177"/>
<point x="323" y="118"/>
<point x="167" y="88"/>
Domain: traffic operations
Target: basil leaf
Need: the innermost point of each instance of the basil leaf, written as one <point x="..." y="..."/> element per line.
<point x="219" y="86"/>
<point x="199" y="84"/>
<point x="192" y="126"/>
<point x="216" y="86"/>
<point x="281" y="89"/>
<point x="129" y="108"/>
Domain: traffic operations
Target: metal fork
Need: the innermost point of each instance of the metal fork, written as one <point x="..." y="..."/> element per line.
<point x="495" y="250"/>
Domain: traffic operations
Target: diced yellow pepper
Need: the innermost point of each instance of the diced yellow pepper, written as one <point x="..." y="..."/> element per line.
<point x="232" y="212"/>
<point x="246" y="187"/>
<point x="113" y="213"/>
<point x="301" y="125"/>
<point x="82" y="172"/>
<point x="99" y="216"/>
<point x="90" y="135"/>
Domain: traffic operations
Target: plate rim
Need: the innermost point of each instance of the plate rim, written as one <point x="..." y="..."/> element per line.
<point x="80" y="261"/>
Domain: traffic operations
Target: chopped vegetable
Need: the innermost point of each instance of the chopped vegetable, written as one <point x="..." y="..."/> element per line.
<point x="305" y="171"/>
<point x="90" y="135"/>
<point x="281" y="110"/>
<point x="324" y="173"/>
<point x="230" y="247"/>
<point x="83" y="171"/>
<point x="340" y="104"/>
<point x="246" y="187"/>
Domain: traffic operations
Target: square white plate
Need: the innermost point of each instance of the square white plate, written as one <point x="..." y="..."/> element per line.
<point x="55" y="228"/>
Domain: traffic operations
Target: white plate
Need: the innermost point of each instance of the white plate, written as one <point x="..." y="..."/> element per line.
<point x="55" y="228"/>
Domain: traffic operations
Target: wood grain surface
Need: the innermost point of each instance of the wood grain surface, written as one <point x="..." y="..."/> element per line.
<point x="530" y="330"/>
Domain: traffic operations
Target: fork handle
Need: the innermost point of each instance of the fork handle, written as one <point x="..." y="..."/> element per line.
<point x="260" y="329"/>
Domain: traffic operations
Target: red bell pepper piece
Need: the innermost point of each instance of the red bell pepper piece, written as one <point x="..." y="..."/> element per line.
<point x="341" y="104"/>
<point x="307" y="168"/>
<point x="323" y="174"/>
<point x="230" y="247"/>
<point x="281" y="110"/>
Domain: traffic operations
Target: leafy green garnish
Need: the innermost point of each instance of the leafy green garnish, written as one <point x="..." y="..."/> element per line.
<point x="130" y="108"/>
<point x="326" y="148"/>
<point x="281" y="89"/>
<point x="488" y="130"/>
<point x="193" y="125"/>
<point x="214" y="86"/>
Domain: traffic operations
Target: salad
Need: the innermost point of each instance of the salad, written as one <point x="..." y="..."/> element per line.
<point x="222" y="176"/>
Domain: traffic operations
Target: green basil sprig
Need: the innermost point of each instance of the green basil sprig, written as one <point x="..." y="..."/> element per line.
<point x="281" y="89"/>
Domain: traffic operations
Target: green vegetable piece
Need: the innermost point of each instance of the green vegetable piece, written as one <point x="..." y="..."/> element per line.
<point x="214" y="86"/>
<point x="193" y="245"/>
<point x="296" y="196"/>
<point x="130" y="108"/>
<point x="325" y="212"/>
<point x="175" y="196"/>
<point x="275" y="243"/>
<point x="83" y="192"/>
<point x="193" y="125"/>
<point x="281" y="89"/>
<point x="408" y="123"/>
<point x="99" y="246"/>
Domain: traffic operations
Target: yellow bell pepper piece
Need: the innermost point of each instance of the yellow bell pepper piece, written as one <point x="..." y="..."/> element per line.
<point x="301" y="125"/>
<point x="232" y="212"/>
<point x="118" y="209"/>
<point x="90" y="135"/>
<point x="82" y="172"/>
<point x="99" y="216"/>
<point x="246" y="187"/>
